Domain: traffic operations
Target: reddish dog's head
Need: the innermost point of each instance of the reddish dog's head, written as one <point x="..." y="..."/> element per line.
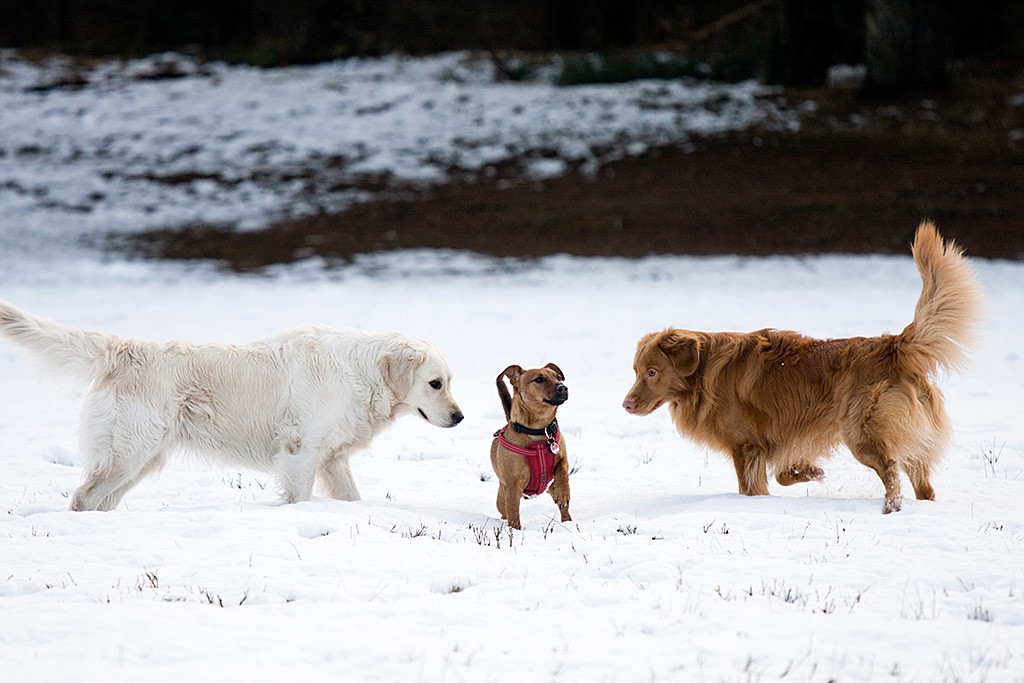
<point x="662" y="363"/>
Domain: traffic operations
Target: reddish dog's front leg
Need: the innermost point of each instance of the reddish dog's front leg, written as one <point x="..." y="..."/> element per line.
<point x="751" y="469"/>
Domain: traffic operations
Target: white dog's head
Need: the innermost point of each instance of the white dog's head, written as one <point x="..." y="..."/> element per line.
<point x="421" y="380"/>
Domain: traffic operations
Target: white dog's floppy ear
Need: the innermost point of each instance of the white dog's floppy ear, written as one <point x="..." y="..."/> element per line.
<point x="398" y="368"/>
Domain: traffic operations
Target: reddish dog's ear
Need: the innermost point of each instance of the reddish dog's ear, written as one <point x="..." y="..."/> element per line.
<point x="558" y="371"/>
<point x="682" y="349"/>
<point x="513" y="372"/>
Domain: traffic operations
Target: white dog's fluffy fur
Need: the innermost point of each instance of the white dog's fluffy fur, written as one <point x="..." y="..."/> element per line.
<point x="297" y="404"/>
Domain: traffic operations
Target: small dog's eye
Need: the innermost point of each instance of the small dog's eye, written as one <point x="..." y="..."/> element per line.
<point x="652" y="373"/>
<point x="435" y="384"/>
<point x="539" y="380"/>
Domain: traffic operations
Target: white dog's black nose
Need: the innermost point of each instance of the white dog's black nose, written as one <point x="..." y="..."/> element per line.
<point x="456" y="418"/>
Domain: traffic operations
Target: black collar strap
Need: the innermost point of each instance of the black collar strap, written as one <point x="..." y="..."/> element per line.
<point x="548" y="431"/>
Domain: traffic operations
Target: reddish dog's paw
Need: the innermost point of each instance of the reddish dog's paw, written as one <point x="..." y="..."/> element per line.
<point x="815" y="473"/>
<point x="800" y="474"/>
<point x="894" y="504"/>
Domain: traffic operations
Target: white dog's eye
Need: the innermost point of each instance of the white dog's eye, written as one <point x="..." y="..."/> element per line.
<point x="435" y="384"/>
<point x="652" y="373"/>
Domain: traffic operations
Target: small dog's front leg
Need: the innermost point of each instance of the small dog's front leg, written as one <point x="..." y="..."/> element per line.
<point x="511" y="511"/>
<point x="561" y="497"/>
<point x="500" y="502"/>
<point x="560" y="487"/>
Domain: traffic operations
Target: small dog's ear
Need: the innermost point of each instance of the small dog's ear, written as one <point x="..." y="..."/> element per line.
<point x="513" y="372"/>
<point x="398" y="367"/>
<point x="558" y="371"/>
<point x="682" y="349"/>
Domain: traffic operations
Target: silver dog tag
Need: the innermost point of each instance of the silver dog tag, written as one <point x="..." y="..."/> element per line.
<point x="553" y="446"/>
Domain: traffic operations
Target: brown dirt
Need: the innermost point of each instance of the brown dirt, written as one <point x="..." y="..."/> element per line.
<point x="857" y="179"/>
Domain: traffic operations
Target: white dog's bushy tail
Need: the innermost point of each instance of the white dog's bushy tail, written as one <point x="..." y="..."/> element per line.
<point x="949" y="307"/>
<point x="75" y="354"/>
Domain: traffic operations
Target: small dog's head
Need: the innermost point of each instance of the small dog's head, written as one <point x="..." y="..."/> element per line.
<point x="538" y="390"/>
<point x="662" y="361"/>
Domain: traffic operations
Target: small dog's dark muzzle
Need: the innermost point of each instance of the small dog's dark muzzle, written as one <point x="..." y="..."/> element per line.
<point x="560" y="396"/>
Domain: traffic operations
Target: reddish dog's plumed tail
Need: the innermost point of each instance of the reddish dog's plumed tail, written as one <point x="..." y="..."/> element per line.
<point x="949" y="306"/>
<point x="75" y="354"/>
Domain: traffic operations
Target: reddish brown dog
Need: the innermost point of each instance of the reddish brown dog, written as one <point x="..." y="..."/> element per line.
<point x="776" y="400"/>
<point x="528" y="454"/>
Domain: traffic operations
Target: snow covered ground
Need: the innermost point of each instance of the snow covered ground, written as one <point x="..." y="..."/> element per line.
<point x="666" y="572"/>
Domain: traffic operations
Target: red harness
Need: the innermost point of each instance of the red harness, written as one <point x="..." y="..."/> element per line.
<point x="540" y="458"/>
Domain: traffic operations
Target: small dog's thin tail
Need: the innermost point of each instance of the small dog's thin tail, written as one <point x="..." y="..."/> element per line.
<point x="949" y="306"/>
<point x="75" y="354"/>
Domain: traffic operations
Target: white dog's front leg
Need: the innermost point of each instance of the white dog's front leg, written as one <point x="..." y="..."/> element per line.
<point x="297" y="472"/>
<point x="338" y="477"/>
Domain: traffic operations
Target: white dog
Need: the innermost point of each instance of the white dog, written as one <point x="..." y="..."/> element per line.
<point x="297" y="404"/>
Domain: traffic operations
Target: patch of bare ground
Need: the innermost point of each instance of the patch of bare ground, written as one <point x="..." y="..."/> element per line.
<point x="857" y="178"/>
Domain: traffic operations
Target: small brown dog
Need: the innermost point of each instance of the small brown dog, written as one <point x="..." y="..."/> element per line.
<point x="777" y="400"/>
<point x="528" y="454"/>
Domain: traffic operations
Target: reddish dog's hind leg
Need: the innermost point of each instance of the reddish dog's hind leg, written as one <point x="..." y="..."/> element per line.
<point x="919" y="473"/>
<point x="887" y="470"/>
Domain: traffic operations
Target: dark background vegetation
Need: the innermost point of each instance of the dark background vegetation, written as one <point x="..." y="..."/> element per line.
<point x="784" y="41"/>
<point x="831" y="187"/>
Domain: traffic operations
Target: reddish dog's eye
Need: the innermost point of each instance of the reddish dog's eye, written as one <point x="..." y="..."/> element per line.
<point x="652" y="373"/>
<point x="539" y="380"/>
